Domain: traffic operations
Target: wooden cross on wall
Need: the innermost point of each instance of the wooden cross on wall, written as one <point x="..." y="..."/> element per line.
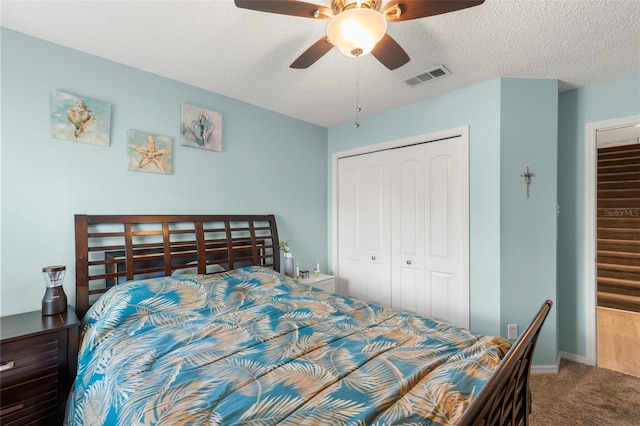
<point x="527" y="179"/>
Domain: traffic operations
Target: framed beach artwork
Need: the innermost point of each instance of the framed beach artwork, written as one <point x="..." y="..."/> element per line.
<point x="201" y="128"/>
<point x="148" y="152"/>
<point x="80" y="119"/>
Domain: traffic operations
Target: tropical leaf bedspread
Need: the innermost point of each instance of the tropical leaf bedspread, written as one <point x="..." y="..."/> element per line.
<point x="253" y="347"/>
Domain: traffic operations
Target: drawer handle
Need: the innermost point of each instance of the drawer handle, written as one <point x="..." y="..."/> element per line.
<point x="7" y="365"/>
<point x="408" y="262"/>
<point x="10" y="410"/>
<point x="373" y="258"/>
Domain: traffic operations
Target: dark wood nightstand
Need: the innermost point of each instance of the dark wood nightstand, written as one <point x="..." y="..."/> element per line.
<point x="38" y="363"/>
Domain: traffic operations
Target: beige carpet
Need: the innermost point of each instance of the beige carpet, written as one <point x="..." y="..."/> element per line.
<point x="584" y="395"/>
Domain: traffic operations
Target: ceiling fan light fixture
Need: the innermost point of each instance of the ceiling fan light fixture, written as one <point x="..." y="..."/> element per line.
<point x="356" y="31"/>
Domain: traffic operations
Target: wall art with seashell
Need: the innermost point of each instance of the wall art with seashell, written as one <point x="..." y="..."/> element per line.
<point x="80" y="119"/>
<point x="201" y="128"/>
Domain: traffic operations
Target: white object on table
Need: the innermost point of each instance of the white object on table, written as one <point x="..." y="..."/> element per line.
<point x="323" y="282"/>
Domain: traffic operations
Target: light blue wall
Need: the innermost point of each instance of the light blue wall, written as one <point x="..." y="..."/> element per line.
<point x="265" y="168"/>
<point x="269" y="164"/>
<point x="479" y="107"/>
<point x="513" y="123"/>
<point x="529" y="137"/>
<point x="612" y="99"/>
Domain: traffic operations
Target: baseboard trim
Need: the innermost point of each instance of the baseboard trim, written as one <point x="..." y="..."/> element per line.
<point x="544" y="369"/>
<point x="553" y="369"/>
<point x="547" y="369"/>
<point x="573" y="357"/>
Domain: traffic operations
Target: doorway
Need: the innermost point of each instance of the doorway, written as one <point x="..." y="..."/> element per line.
<point x="623" y="131"/>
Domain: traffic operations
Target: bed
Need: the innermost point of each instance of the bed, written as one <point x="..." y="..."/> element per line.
<point x="187" y="320"/>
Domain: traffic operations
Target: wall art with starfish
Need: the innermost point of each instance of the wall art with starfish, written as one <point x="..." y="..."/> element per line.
<point x="148" y="152"/>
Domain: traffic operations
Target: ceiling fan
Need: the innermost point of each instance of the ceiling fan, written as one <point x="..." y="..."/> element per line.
<point x="358" y="27"/>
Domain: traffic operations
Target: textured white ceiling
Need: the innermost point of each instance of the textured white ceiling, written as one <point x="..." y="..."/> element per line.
<point x="245" y="54"/>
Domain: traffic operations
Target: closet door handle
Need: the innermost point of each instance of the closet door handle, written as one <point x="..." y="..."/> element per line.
<point x="408" y="262"/>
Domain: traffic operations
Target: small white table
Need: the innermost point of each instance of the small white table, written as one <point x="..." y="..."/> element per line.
<point x="323" y="282"/>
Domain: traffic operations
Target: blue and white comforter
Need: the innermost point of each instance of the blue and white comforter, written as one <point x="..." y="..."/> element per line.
<point x="251" y="347"/>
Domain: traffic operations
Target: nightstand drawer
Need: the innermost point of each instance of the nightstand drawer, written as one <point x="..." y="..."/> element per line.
<point x="26" y="402"/>
<point x="26" y="359"/>
<point x="38" y="356"/>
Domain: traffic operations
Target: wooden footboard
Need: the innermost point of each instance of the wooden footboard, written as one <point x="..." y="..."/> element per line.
<point x="111" y="249"/>
<point x="505" y="398"/>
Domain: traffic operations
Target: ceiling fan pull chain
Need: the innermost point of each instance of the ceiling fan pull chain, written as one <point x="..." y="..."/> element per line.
<point x="358" y="109"/>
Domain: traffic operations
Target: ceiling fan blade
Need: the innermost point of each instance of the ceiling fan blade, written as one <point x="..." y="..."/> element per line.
<point x="286" y="7"/>
<point x="404" y="10"/>
<point x="312" y="54"/>
<point x="389" y="53"/>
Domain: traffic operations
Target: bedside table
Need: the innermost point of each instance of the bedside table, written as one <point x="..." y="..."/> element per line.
<point x="38" y="362"/>
<point x="323" y="282"/>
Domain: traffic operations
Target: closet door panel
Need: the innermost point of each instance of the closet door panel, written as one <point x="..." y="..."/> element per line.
<point x="439" y="206"/>
<point x="349" y="227"/>
<point x="412" y="294"/>
<point x="441" y="303"/>
<point x="377" y="285"/>
<point x="350" y="276"/>
<point x="409" y="292"/>
<point x="375" y="208"/>
<point x="444" y="223"/>
<point x="376" y="218"/>
<point x="364" y="218"/>
<point x="349" y="200"/>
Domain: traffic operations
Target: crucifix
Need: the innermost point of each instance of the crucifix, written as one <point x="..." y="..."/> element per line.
<point x="527" y="179"/>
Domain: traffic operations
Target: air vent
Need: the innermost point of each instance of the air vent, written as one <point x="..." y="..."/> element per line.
<point x="432" y="74"/>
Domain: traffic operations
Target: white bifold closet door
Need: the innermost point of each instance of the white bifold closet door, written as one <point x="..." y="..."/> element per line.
<point x="364" y="227"/>
<point x="403" y="229"/>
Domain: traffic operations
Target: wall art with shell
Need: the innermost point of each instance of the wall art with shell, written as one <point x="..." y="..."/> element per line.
<point x="201" y="128"/>
<point x="148" y="152"/>
<point x="80" y="119"/>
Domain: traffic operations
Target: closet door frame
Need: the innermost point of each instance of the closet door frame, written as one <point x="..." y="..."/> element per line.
<point x="463" y="132"/>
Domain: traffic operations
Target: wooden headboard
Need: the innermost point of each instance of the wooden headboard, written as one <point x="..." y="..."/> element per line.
<point x="111" y="249"/>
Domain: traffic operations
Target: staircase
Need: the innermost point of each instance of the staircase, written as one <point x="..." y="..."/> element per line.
<point x="619" y="227"/>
